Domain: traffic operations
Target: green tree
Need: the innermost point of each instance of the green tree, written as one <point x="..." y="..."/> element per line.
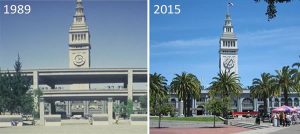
<point x="215" y="106"/>
<point x="264" y="88"/>
<point x="14" y="89"/>
<point x="158" y="89"/>
<point x="285" y="81"/>
<point x="187" y="87"/>
<point x="5" y="92"/>
<point x="129" y="108"/>
<point x="226" y="86"/>
<point x="163" y="108"/>
<point x="297" y="76"/>
<point x="20" y="88"/>
<point x="271" y="9"/>
<point x="143" y="102"/>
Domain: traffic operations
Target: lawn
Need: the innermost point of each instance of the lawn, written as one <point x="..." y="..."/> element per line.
<point x="202" y="119"/>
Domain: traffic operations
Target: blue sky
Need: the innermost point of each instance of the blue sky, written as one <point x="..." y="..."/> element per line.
<point x="189" y="41"/>
<point x="118" y="31"/>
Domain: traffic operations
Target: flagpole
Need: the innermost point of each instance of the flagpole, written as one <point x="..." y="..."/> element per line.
<point x="227" y="4"/>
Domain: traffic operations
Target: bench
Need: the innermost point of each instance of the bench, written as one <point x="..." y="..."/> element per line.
<point x="138" y="119"/>
<point x="6" y="120"/>
<point x="53" y="120"/>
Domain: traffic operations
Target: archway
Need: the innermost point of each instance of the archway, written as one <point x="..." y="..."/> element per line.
<point x="296" y="102"/>
<point x="290" y="102"/>
<point x="173" y="102"/>
<point x="261" y="109"/>
<point x="200" y="110"/>
<point x="282" y="102"/>
<point x="276" y="102"/>
<point x="247" y="105"/>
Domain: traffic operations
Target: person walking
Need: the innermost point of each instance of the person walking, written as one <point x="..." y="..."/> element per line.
<point x="283" y="119"/>
<point x="288" y="119"/>
<point x="278" y="119"/>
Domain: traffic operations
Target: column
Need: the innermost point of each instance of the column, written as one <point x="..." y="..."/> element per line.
<point x="110" y="110"/>
<point x="180" y="108"/>
<point x="67" y="103"/>
<point x="268" y="105"/>
<point x="86" y="108"/>
<point x="279" y="98"/>
<point x="177" y="103"/>
<point x="129" y="84"/>
<point x="35" y="86"/>
<point x="35" y="80"/>
<point x="42" y="111"/>
<point x="273" y="101"/>
<point x="293" y="101"/>
<point x="49" y="109"/>
<point x="70" y="108"/>
<point x="240" y="102"/>
<point x="255" y="105"/>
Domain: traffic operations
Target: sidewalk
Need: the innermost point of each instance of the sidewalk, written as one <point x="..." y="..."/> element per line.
<point x="263" y="131"/>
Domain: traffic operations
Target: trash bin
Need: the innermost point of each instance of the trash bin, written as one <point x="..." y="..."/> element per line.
<point x="257" y="120"/>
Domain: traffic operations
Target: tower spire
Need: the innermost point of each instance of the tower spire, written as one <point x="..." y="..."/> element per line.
<point x="228" y="61"/>
<point x="79" y="17"/>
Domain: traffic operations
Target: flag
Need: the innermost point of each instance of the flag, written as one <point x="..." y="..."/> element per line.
<point x="230" y="4"/>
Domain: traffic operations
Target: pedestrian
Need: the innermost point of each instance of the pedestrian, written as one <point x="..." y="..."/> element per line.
<point x="281" y="118"/>
<point x="284" y="119"/>
<point x="288" y="119"/>
<point x="278" y="119"/>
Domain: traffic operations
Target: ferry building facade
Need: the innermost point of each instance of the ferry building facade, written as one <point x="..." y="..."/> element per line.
<point x="228" y="61"/>
<point x="80" y="89"/>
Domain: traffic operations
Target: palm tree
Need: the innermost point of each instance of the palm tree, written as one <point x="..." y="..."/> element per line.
<point x="158" y="89"/>
<point x="264" y="88"/>
<point x="297" y="76"/>
<point x="158" y="95"/>
<point x="285" y="81"/>
<point x="187" y="87"/>
<point x="227" y="85"/>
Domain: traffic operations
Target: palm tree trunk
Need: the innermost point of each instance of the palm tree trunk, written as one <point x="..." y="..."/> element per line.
<point x="184" y="108"/>
<point x="285" y="94"/>
<point x="265" y="106"/>
<point x="189" y="105"/>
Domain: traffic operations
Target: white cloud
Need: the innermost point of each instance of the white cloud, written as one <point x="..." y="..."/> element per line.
<point x="187" y="43"/>
<point x="256" y="38"/>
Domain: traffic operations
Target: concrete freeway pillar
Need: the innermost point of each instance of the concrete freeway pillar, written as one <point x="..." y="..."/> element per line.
<point x="130" y="84"/>
<point x="42" y="111"/>
<point x="110" y="110"/>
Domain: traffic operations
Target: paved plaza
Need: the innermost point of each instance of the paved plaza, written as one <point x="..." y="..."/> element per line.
<point x="294" y="129"/>
<point x="75" y="129"/>
<point x="202" y="130"/>
<point x="192" y="127"/>
<point x="183" y="124"/>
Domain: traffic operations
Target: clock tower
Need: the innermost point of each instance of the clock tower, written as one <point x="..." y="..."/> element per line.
<point x="79" y="40"/>
<point x="228" y="50"/>
<point x="79" y="45"/>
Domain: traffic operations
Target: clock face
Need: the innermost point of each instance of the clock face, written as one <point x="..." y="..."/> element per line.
<point x="79" y="60"/>
<point x="228" y="63"/>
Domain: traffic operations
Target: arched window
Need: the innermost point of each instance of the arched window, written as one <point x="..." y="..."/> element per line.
<point x="247" y="104"/>
<point x="290" y="102"/>
<point x="296" y="102"/>
<point x="276" y="103"/>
